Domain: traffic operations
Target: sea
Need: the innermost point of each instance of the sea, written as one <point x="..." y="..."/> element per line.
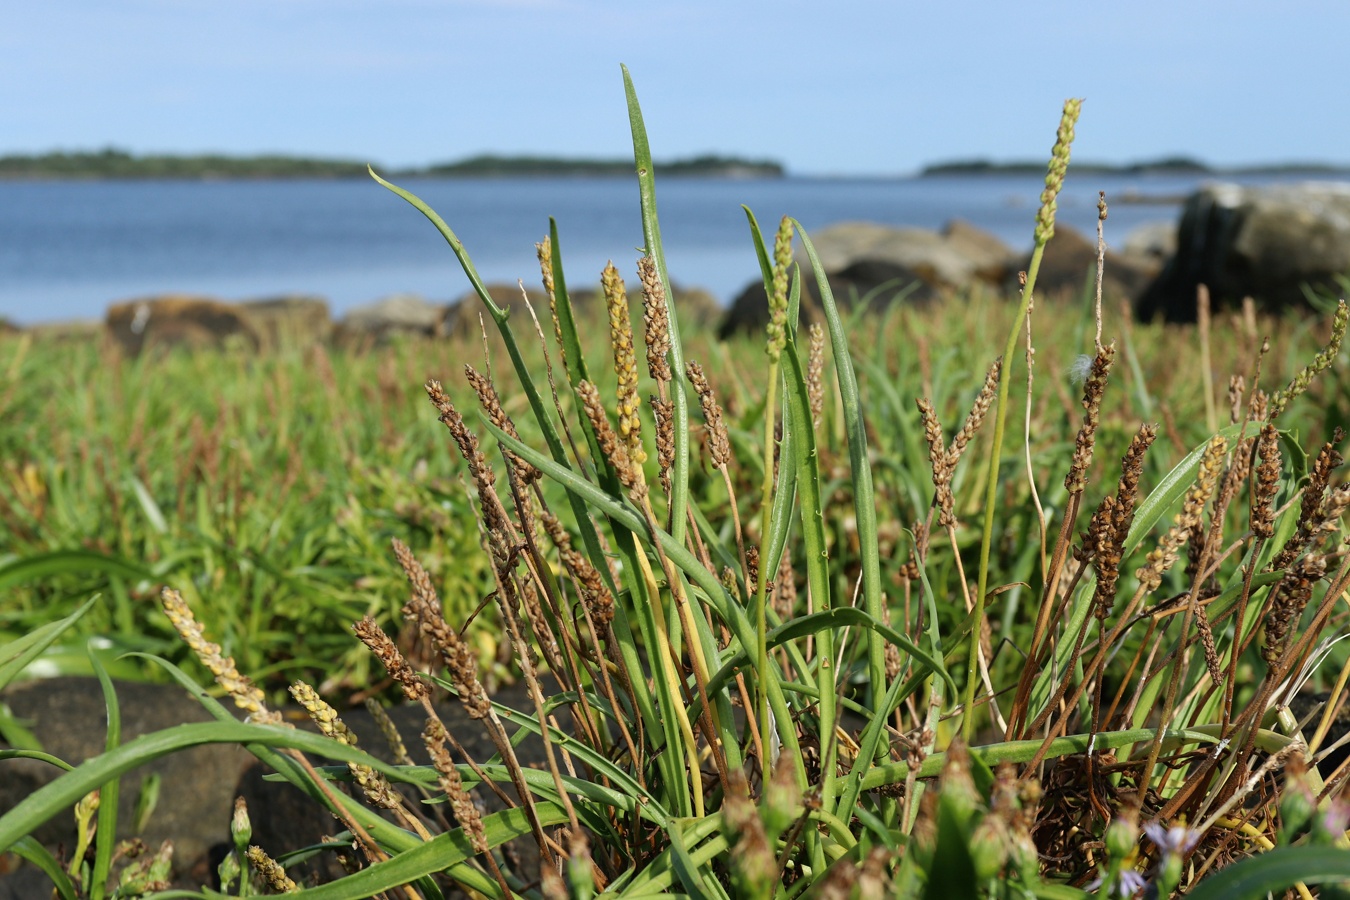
<point x="70" y="248"/>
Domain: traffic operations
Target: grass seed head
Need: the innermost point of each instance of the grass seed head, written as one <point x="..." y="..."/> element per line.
<point x="663" y="411"/>
<point x="246" y="695"/>
<point x="1267" y="482"/>
<point x="630" y="474"/>
<point x="387" y="652"/>
<point x="719" y="444"/>
<point x="270" y="871"/>
<point x="461" y="804"/>
<point x="815" y="373"/>
<point x="655" y="320"/>
<point x="487" y="395"/>
<point x="1094" y="386"/>
<point x="1054" y="176"/>
<point x="625" y="363"/>
<point x="778" y="297"/>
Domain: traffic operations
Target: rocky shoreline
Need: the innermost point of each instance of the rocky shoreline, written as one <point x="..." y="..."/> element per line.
<point x="1273" y="244"/>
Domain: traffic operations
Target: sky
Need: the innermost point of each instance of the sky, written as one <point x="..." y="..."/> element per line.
<point x="827" y="88"/>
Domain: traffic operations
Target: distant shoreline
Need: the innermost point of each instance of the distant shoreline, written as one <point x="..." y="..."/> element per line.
<point x="1168" y="166"/>
<point x="117" y="165"/>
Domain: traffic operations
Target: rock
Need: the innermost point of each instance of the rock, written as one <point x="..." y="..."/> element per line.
<point x="461" y="318"/>
<point x="290" y="321"/>
<point x="993" y="259"/>
<point x="1263" y="242"/>
<point x="400" y="314"/>
<point x="1155" y="241"/>
<point x="924" y="252"/>
<point x="1070" y="261"/>
<point x="197" y="786"/>
<point x="178" y="321"/>
<point x="879" y="282"/>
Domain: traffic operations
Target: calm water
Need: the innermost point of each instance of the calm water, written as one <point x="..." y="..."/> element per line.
<point x="67" y="249"/>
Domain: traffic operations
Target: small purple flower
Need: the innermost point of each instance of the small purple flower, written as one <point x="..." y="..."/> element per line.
<point x="1128" y="884"/>
<point x="1176" y="840"/>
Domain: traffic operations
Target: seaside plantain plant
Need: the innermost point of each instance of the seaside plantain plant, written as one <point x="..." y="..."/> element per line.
<point x="725" y="711"/>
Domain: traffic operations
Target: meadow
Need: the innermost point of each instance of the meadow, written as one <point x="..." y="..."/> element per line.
<point x="989" y="598"/>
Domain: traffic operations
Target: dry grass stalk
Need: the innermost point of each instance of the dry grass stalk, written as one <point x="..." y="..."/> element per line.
<point x="975" y="417"/>
<point x="388" y="731"/>
<point x="495" y="520"/>
<point x="1161" y="558"/>
<point x="246" y="695"/>
<point x="459" y="659"/>
<point x="387" y="652"/>
<point x="544" y="251"/>
<point x="625" y="363"/>
<point x="655" y="321"/>
<point x="1267" y="482"/>
<point x="373" y="784"/>
<point x="663" y="411"/>
<point x="1093" y="388"/>
<point x="1300" y="382"/>
<point x="487" y="395"/>
<point x="627" y="470"/>
<point x="938" y="457"/>
<point x="719" y="444"/>
<point x="461" y="804"/>
<point x="1328" y="460"/>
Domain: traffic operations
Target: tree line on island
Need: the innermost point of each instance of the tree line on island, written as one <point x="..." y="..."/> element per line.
<point x="112" y="163"/>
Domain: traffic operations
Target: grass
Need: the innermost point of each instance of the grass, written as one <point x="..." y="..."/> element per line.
<point x="822" y="643"/>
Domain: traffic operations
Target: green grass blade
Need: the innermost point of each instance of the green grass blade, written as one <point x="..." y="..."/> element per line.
<point x="1274" y="871"/>
<point x="1170" y="490"/>
<point x="16" y="655"/>
<point x="436" y="855"/>
<point x="864" y="497"/>
<point x="651" y="234"/>
<point x="105" y="836"/>
<point x="64" y="562"/>
<point x="29" y="849"/>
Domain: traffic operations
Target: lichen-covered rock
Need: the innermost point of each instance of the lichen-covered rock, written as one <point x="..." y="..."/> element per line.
<point x="1263" y="242"/>
<point x="177" y="320"/>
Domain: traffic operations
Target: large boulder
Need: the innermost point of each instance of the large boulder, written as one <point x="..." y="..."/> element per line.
<point x="461" y="317"/>
<point x="290" y="321"/>
<point x="1069" y="265"/>
<point x="875" y="282"/>
<point x="178" y="320"/>
<point x="1153" y="241"/>
<point x="957" y="256"/>
<point x="407" y="315"/>
<point x="1263" y="242"/>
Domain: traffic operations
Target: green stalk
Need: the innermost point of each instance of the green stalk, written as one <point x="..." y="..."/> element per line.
<point x="1045" y="229"/>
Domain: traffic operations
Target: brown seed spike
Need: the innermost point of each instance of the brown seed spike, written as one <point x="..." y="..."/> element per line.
<point x="625" y="363"/>
<point x="655" y="320"/>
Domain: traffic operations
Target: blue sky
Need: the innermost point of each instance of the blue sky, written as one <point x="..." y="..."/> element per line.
<point x="827" y="87"/>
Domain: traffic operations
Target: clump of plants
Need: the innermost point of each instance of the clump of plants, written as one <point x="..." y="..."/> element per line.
<point x="726" y="711"/>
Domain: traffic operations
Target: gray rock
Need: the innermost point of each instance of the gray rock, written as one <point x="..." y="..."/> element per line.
<point x="940" y="260"/>
<point x="878" y="283"/>
<point x="199" y="785"/>
<point x="1263" y="242"/>
<point x="177" y="320"/>
<point x="289" y="321"/>
<point x="1155" y="241"/>
<point x="1069" y="265"/>
<point x="399" y="314"/>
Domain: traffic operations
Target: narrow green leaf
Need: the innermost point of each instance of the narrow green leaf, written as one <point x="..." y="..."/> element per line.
<point x="1273" y="871"/>
<point x="16" y="655"/>
<point x="29" y="849"/>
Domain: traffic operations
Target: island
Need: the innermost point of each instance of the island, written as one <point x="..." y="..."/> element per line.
<point x="112" y="163"/>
